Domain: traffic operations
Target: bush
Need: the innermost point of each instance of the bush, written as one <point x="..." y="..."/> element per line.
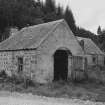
<point x="96" y="74"/>
<point x="3" y="74"/>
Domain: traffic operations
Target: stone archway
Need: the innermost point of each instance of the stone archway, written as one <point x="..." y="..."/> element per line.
<point x="61" y="65"/>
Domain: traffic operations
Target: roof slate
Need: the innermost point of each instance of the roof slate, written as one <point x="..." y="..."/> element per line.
<point x="89" y="46"/>
<point x="28" y="36"/>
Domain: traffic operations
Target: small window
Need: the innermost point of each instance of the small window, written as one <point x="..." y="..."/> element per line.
<point x="20" y="64"/>
<point x="94" y="59"/>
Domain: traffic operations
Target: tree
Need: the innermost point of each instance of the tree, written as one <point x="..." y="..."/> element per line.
<point x="59" y="12"/>
<point x="19" y="13"/>
<point x="49" y="9"/>
<point x="49" y="6"/>
<point x="101" y="39"/>
<point x="99" y="30"/>
<point x="81" y="32"/>
<point x="68" y="16"/>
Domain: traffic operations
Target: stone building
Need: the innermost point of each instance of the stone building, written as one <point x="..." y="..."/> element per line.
<point x="43" y="52"/>
<point x="93" y="53"/>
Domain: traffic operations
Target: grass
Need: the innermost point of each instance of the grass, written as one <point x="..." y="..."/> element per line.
<point x="85" y="90"/>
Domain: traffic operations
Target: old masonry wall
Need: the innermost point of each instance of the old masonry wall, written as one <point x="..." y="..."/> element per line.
<point x="9" y="62"/>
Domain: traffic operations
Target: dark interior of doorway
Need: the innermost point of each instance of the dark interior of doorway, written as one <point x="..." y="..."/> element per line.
<point x="60" y="65"/>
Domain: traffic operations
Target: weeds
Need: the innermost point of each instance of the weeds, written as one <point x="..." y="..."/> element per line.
<point x="85" y="90"/>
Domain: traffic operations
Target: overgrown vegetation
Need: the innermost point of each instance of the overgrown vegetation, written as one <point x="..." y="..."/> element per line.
<point x="101" y="38"/>
<point x="85" y="90"/>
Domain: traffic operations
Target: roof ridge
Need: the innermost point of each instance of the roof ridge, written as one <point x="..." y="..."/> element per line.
<point x="48" y="27"/>
<point x="33" y="26"/>
<point x="50" y="32"/>
<point x="90" y="43"/>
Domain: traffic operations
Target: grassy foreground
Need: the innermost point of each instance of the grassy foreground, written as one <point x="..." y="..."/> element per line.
<point x="84" y="90"/>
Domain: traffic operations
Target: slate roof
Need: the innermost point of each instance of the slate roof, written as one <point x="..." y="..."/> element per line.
<point x="28" y="36"/>
<point x="90" y="47"/>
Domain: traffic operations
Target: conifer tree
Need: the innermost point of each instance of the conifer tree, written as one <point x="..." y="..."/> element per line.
<point x="68" y="16"/>
<point x="99" y="30"/>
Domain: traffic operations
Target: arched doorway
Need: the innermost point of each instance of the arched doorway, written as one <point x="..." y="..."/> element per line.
<point x="60" y="65"/>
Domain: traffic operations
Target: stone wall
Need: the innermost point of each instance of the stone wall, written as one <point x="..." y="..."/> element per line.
<point x="99" y="60"/>
<point x="9" y="61"/>
<point x="6" y="61"/>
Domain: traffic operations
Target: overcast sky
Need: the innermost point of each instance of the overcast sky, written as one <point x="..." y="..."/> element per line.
<point x="88" y="14"/>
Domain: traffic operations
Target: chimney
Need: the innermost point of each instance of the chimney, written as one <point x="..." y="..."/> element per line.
<point x="13" y="30"/>
<point x="82" y="44"/>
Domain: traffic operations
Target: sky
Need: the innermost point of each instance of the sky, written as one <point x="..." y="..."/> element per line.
<point x="88" y="14"/>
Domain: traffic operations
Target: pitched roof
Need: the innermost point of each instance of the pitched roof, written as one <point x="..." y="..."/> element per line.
<point x="89" y="46"/>
<point x="28" y="36"/>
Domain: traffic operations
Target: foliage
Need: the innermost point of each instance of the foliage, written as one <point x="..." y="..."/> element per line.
<point x="101" y="39"/>
<point x="99" y="30"/>
<point x="19" y="13"/>
<point x="81" y="32"/>
<point x="84" y="91"/>
<point x="68" y="16"/>
<point x="3" y="74"/>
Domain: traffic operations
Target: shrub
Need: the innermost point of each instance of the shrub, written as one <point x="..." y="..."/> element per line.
<point x="96" y="74"/>
<point x="3" y="74"/>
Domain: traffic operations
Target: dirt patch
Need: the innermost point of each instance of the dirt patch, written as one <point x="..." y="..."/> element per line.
<point x="29" y="99"/>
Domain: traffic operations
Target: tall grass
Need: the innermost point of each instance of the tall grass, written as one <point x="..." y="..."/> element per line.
<point x="84" y="90"/>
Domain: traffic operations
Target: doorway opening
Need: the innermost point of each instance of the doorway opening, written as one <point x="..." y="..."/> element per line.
<point x="60" y="65"/>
